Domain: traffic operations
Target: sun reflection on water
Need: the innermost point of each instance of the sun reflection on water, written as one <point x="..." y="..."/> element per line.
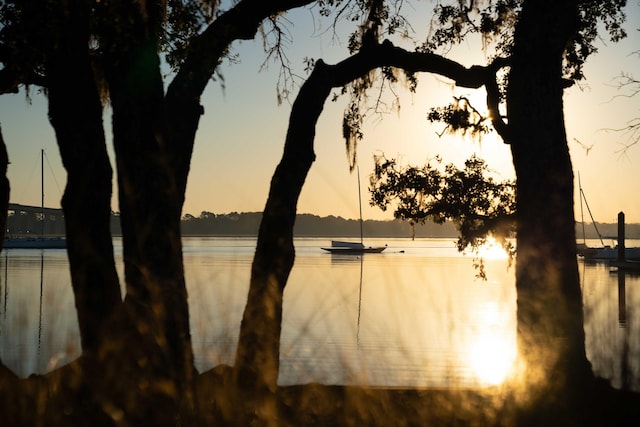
<point x="492" y="353"/>
<point x="492" y="358"/>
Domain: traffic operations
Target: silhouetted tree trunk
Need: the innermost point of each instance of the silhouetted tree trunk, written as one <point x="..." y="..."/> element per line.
<point x="153" y="138"/>
<point x="4" y="188"/>
<point x="550" y="318"/>
<point x="157" y="349"/>
<point x="257" y="357"/>
<point x="8" y="380"/>
<point x="75" y="112"/>
<point x="206" y="51"/>
<point x="4" y="206"/>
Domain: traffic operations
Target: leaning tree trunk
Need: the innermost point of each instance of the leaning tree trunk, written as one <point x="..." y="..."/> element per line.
<point x="75" y="112"/>
<point x="157" y="348"/>
<point x="5" y="374"/>
<point x="549" y="299"/>
<point x="204" y="54"/>
<point x="257" y="358"/>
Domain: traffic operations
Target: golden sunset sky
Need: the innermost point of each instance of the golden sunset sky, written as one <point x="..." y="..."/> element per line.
<point x="242" y="132"/>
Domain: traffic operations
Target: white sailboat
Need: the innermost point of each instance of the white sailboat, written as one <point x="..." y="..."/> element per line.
<point x="41" y="241"/>
<point x="354" y="248"/>
<point x="604" y="252"/>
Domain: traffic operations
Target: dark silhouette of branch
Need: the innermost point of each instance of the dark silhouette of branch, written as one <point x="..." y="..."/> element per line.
<point x="11" y="80"/>
<point x="239" y="23"/>
<point x="584" y="146"/>
<point x="203" y="56"/>
<point x="257" y="358"/>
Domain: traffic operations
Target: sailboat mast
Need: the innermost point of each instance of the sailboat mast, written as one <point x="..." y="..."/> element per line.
<point x="584" y="198"/>
<point x="360" y="202"/>
<point x="42" y="187"/>
<point x="584" y="234"/>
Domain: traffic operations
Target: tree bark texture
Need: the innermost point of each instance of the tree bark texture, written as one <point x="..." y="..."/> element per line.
<point x="5" y="373"/>
<point x="159" y="342"/>
<point x="75" y="112"/>
<point x="549" y="299"/>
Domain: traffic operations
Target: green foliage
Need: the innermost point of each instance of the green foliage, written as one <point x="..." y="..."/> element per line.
<point x="29" y="29"/>
<point x="593" y="13"/>
<point x="452" y="23"/>
<point x="23" y="41"/>
<point x="495" y="21"/>
<point x="480" y="206"/>
<point x="460" y="116"/>
<point x="185" y="20"/>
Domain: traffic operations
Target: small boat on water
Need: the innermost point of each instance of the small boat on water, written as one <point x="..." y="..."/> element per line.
<point x="35" y="243"/>
<point x="605" y="252"/>
<point x="355" y="248"/>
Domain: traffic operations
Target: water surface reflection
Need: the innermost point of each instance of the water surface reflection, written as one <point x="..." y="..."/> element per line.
<point x="413" y="316"/>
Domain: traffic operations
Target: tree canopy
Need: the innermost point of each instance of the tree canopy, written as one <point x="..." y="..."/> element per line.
<point x="137" y="364"/>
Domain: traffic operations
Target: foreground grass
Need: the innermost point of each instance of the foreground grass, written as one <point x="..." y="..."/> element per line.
<point x="61" y="398"/>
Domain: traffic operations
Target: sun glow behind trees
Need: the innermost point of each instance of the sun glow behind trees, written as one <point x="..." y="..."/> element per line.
<point x="243" y="125"/>
<point x="491" y="249"/>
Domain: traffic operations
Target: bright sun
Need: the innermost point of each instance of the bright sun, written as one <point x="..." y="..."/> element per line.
<point x="492" y="358"/>
<point x="492" y="250"/>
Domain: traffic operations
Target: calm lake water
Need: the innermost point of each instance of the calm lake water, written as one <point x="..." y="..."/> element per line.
<point x="414" y="315"/>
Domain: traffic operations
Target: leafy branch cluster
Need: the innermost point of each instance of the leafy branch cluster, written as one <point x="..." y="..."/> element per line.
<point x="460" y="116"/>
<point x="494" y="20"/>
<point x="592" y="14"/>
<point x="451" y="20"/>
<point x="23" y="53"/>
<point x="478" y="204"/>
<point x="185" y="20"/>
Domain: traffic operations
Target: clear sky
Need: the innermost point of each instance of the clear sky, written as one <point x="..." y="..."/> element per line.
<point x="241" y="134"/>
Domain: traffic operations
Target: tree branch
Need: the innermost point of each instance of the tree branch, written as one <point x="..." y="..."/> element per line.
<point x="257" y="358"/>
<point x="493" y="99"/>
<point x="386" y="54"/>
<point x="11" y="80"/>
<point x="239" y="23"/>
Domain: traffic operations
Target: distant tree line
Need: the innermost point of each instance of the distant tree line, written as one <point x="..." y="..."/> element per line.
<point x="307" y="225"/>
<point x="608" y="231"/>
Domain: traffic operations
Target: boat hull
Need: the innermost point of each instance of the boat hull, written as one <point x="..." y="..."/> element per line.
<point x="608" y="253"/>
<point x="354" y="248"/>
<point x="35" y="243"/>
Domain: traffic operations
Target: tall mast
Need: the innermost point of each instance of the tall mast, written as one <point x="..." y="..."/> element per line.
<point x="584" y="198"/>
<point x="359" y="201"/>
<point x="584" y="235"/>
